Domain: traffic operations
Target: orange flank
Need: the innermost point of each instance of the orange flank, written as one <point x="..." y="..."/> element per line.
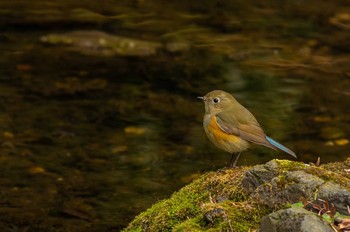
<point x="219" y="134"/>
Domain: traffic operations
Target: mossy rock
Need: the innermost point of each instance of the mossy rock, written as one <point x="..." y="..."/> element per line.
<point x="237" y="199"/>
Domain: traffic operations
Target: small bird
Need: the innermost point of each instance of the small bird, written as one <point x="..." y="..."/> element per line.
<point x="232" y="128"/>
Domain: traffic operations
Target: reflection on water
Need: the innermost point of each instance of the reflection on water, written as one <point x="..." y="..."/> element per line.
<point x="96" y="129"/>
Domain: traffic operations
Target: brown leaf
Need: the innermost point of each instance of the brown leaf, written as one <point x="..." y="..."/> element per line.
<point x="344" y="225"/>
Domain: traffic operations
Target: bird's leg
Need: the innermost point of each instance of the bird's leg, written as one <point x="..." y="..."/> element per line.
<point x="233" y="164"/>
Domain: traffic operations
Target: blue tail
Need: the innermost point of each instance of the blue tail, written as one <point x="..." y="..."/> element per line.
<point x="281" y="147"/>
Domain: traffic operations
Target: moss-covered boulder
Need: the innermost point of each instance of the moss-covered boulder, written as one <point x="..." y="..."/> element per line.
<point x="237" y="199"/>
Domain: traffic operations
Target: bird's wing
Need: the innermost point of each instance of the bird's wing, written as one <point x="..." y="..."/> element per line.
<point x="245" y="127"/>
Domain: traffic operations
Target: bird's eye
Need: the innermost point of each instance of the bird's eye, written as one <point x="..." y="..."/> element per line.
<point x="216" y="100"/>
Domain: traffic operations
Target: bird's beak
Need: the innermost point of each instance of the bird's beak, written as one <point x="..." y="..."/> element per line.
<point x="202" y="98"/>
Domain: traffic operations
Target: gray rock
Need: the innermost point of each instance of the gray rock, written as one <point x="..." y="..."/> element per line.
<point x="256" y="177"/>
<point x="293" y="220"/>
<point x="270" y="187"/>
<point x="216" y="213"/>
<point x="334" y="193"/>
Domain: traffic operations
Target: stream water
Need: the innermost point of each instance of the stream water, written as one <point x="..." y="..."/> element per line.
<point x="95" y="128"/>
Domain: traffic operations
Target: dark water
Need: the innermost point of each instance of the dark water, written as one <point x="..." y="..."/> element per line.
<point x="93" y="134"/>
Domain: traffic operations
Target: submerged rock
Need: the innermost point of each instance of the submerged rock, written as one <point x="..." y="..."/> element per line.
<point x="102" y="44"/>
<point x="245" y="198"/>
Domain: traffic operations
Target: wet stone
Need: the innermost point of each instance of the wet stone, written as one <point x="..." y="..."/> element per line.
<point x="78" y="208"/>
<point x="332" y="133"/>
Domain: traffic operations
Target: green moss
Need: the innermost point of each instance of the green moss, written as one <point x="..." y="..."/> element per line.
<point x="235" y="216"/>
<point x="183" y="208"/>
<point x="338" y="167"/>
<point x="166" y="214"/>
<point x="285" y="165"/>
<point x="329" y="176"/>
<point x="282" y="180"/>
<point x="215" y="202"/>
<point x="192" y="225"/>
